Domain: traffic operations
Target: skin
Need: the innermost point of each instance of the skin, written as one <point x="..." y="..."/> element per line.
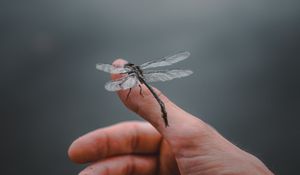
<point x="188" y="146"/>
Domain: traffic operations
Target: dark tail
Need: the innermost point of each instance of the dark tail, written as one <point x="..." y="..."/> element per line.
<point x="161" y="104"/>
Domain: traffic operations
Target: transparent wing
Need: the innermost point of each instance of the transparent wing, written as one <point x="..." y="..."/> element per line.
<point x="111" y="69"/>
<point x="166" y="61"/>
<point x="122" y="83"/>
<point x="165" y="75"/>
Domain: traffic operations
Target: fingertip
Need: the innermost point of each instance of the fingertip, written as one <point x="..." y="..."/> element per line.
<point x="77" y="152"/>
<point x="72" y="153"/>
<point x="118" y="63"/>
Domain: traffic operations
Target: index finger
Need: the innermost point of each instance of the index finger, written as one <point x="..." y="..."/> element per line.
<point x="119" y="139"/>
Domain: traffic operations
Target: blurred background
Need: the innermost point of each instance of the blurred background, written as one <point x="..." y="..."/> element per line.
<point x="244" y="54"/>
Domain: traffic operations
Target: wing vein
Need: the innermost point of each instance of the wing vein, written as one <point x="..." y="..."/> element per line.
<point x="165" y="75"/>
<point x="166" y="61"/>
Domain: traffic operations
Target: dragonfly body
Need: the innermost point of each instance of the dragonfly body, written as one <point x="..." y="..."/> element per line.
<point x="136" y="70"/>
<point x="137" y="75"/>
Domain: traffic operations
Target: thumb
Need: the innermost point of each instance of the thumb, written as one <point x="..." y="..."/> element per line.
<point x="181" y="123"/>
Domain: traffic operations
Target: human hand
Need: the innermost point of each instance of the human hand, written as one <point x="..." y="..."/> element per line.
<point x="187" y="147"/>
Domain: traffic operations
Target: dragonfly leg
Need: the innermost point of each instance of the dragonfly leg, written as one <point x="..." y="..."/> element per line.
<point x="128" y="94"/>
<point x="141" y="90"/>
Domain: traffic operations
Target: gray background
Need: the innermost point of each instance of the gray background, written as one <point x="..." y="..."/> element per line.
<point x="245" y="58"/>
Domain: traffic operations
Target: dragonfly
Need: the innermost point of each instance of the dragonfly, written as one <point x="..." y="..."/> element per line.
<point x="136" y="75"/>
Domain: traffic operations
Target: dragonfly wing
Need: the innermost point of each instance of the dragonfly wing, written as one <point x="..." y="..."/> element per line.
<point x="122" y="83"/>
<point x="111" y="69"/>
<point x="165" y="75"/>
<point x="166" y="61"/>
<point x="131" y="81"/>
